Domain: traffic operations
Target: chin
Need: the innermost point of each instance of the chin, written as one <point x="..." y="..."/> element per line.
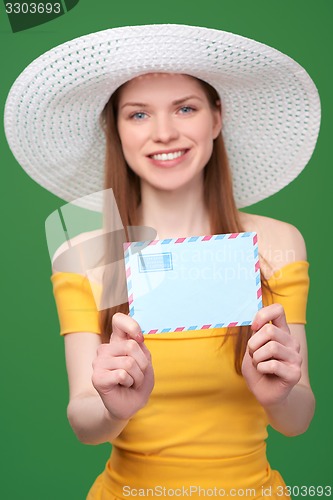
<point x="170" y="187"/>
<point x="173" y="184"/>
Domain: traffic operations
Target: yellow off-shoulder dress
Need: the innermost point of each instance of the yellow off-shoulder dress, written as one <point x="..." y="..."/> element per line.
<point x="202" y="432"/>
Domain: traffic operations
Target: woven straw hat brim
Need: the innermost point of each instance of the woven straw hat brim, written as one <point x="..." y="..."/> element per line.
<point x="271" y="107"/>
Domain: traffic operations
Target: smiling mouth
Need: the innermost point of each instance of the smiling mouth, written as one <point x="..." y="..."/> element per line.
<point x="168" y="156"/>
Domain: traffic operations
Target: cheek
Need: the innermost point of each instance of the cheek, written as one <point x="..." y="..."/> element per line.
<point x="127" y="142"/>
<point x="129" y="155"/>
<point x="130" y="143"/>
<point x="207" y="140"/>
<point x="203" y="132"/>
<point x="131" y="139"/>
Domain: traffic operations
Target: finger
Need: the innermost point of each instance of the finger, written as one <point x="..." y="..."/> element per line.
<point x="129" y="348"/>
<point x="274" y="313"/>
<point x="289" y="374"/>
<point x="105" y="380"/>
<point x="130" y="366"/>
<point x="135" y="351"/>
<point x="125" y="327"/>
<point x="146" y="352"/>
<point x="275" y="350"/>
<point x="270" y="332"/>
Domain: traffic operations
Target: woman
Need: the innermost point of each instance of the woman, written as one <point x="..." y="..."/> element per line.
<point x="186" y="416"/>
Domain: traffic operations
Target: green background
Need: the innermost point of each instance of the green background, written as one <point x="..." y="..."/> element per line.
<point x="42" y="458"/>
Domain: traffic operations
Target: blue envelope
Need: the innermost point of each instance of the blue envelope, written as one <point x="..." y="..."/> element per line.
<point x="193" y="283"/>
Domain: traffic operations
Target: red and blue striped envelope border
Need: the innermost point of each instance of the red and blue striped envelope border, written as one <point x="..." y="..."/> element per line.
<point x="178" y="241"/>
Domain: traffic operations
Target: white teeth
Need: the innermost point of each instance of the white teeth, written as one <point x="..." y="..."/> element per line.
<point x="168" y="156"/>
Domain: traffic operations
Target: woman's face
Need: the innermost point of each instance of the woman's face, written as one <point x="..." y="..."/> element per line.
<point x="166" y="127"/>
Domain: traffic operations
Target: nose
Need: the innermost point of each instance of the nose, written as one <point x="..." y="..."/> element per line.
<point x="164" y="129"/>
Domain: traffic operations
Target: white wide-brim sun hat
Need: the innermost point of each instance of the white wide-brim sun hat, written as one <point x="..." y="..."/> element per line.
<point x="271" y="107"/>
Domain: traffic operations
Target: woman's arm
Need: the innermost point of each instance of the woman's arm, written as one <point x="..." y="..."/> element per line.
<point x="294" y="415"/>
<point x="275" y="365"/>
<point x="108" y="383"/>
<point x="276" y="371"/>
<point x="87" y="415"/>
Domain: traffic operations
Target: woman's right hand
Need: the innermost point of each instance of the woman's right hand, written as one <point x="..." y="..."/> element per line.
<point x="122" y="370"/>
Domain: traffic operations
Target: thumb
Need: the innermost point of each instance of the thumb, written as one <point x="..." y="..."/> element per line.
<point x="124" y="327"/>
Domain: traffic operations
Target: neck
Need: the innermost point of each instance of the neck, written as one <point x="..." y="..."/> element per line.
<point x="179" y="213"/>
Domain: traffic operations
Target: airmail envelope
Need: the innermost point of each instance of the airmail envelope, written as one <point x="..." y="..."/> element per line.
<point x="193" y="283"/>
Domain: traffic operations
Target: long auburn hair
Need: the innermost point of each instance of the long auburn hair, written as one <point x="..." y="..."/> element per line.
<point x="222" y="210"/>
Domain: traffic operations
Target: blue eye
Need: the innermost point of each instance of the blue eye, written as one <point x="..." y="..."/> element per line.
<point x="186" y="110"/>
<point x="140" y="115"/>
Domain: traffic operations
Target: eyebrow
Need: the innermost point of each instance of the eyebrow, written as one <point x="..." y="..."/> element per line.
<point x="177" y="102"/>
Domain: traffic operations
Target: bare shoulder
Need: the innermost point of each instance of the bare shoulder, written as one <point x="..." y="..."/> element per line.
<point x="279" y="242"/>
<point x="77" y="250"/>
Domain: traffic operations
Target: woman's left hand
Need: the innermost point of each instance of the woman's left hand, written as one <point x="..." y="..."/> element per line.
<point x="272" y="362"/>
